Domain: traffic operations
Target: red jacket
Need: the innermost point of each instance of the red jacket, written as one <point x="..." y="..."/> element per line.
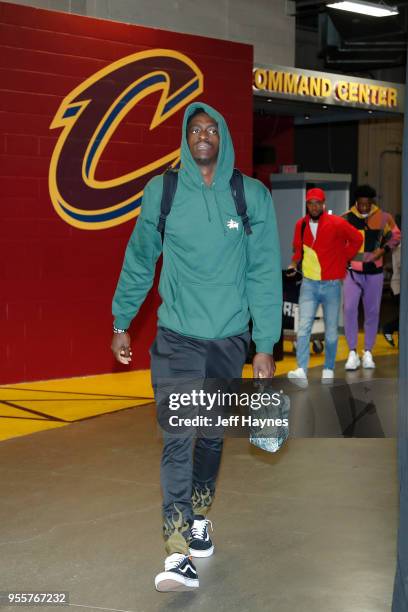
<point x="327" y="256"/>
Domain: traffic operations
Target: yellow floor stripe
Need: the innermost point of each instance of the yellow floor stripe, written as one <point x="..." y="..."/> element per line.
<point x="12" y="412"/>
<point x="13" y="428"/>
<point x="30" y="407"/>
<point x="48" y="404"/>
<point x="134" y="383"/>
<point x="77" y="409"/>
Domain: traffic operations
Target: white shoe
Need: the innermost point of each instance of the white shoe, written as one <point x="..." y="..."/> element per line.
<point x="353" y="361"/>
<point x="298" y="376"/>
<point x="327" y="375"/>
<point x="368" y="361"/>
<point x="179" y="574"/>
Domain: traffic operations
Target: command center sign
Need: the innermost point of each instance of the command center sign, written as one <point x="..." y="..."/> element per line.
<point x="327" y="88"/>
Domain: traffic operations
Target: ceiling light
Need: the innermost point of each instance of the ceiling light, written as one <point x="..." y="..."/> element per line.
<point x="366" y="8"/>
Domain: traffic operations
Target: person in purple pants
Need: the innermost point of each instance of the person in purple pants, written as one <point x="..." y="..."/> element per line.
<point x="365" y="276"/>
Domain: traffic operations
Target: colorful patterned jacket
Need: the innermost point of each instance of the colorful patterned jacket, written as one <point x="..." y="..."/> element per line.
<point x="379" y="230"/>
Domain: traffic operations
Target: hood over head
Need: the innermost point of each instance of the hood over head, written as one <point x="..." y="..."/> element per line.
<point x="226" y="156"/>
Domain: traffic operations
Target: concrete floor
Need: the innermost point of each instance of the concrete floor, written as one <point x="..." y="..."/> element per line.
<point x="312" y="528"/>
<point x="360" y="404"/>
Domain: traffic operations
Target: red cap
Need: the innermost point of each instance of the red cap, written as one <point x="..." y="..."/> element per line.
<point x="315" y="194"/>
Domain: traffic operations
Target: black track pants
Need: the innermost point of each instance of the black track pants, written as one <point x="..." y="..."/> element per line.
<point x="189" y="465"/>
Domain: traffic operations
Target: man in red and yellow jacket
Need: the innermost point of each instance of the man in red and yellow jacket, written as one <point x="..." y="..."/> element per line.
<point x="323" y="244"/>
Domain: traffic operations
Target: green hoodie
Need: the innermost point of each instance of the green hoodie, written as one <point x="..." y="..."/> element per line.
<point x="214" y="276"/>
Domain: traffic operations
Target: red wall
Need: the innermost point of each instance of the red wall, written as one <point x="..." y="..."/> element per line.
<point x="277" y="132"/>
<point x="57" y="280"/>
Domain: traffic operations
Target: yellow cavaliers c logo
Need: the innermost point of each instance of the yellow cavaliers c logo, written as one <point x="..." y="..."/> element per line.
<point x="89" y="116"/>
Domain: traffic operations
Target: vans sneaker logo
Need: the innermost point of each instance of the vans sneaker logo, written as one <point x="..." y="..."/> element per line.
<point x="232" y="224"/>
<point x="186" y="568"/>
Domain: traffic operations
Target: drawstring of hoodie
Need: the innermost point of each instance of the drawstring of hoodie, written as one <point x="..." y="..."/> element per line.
<point x="219" y="213"/>
<point x="217" y="206"/>
<point x="203" y="188"/>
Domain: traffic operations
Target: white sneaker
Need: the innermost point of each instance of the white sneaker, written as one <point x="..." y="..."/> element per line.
<point x="298" y="376"/>
<point x="327" y="375"/>
<point x="179" y="574"/>
<point x="353" y="361"/>
<point x="368" y="361"/>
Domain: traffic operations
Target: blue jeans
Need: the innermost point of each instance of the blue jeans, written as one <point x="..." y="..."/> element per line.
<point x="313" y="293"/>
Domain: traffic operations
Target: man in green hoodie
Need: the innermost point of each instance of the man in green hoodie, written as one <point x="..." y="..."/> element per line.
<point x="214" y="278"/>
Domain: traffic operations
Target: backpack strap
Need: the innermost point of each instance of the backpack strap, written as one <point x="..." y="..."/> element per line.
<point x="170" y="178"/>
<point x="238" y="193"/>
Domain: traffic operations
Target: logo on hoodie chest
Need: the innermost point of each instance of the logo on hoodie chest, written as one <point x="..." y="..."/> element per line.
<point x="231" y="224"/>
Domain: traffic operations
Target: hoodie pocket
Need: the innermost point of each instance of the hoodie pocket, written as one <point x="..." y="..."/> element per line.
<point x="209" y="310"/>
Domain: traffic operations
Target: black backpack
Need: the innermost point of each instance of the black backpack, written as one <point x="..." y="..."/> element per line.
<point x="170" y="179"/>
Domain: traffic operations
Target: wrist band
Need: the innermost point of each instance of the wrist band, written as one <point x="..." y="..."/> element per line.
<point x="119" y="331"/>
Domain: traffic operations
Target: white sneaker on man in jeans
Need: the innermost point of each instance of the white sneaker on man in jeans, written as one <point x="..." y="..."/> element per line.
<point x="353" y="361"/>
<point x="327" y="375"/>
<point x="298" y="376"/>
